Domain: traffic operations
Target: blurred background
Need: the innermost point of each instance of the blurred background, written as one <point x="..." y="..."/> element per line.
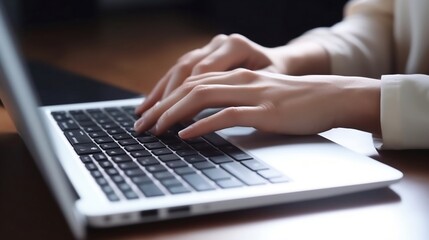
<point x="132" y="43"/>
<point x="268" y="22"/>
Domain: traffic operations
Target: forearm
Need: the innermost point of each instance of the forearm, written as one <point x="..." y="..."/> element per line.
<point x="304" y="58"/>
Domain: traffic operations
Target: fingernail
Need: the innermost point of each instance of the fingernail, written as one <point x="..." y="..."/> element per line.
<point x="138" y="123"/>
<point x="184" y="133"/>
<point x="154" y="130"/>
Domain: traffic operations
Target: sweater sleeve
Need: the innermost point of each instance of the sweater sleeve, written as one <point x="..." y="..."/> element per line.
<point x="362" y="43"/>
<point x="404" y="112"/>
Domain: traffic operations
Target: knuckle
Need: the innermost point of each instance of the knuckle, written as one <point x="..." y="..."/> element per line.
<point x="220" y="37"/>
<point x="200" y="91"/>
<point x="184" y="66"/>
<point x="232" y="113"/>
<point x="245" y="74"/>
<point x="201" y="67"/>
<point x="188" y="86"/>
<point x="238" y="40"/>
<point x="165" y="117"/>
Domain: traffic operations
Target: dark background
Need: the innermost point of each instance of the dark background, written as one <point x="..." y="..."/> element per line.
<point x="268" y="22"/>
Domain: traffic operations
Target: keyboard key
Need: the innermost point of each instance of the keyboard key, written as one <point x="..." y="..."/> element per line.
<point x="132" y="148"/>
<point x="117" y="179"/>
<point x="97" y="134"/>
<point x="150" y="190"/>
<point x="194" y="159"/>
<point x="229" y="183"/>
<point x="103" y="120"/>
<point x="99" y="156"/>
<point x="111" y="171"/>
<point x="255" y="165"/>
<point x="169" y="157"/>
<point x="279" y="179"/>
<point x="216" y="174"/>
<point x="115" y="151"/>
<point x="91" y="129"/>
<point x="112" y="197"/>
<point x="101" y="181"/>
<point x="203" y="165"/>
<point x="161" y="151"/>
<point x="178" y="189"/>
<point x="221" y="159"/>
<point x="60" y="116"/>
<point x="176" y="164"/>
<point x="270" y="173"/>
<point x="115" y="131"/>
<point x="146" y="161"/>
<point x="155" y="145"/>
<point x="163" y="175"/>
<point x="186" y="152"/>
<point x="141" y="179"/>
<point x="134" y="172"/>
<point x="86" y="148"/>
<point x="142" y="153"/>
<point x="147" y="139"/>
<point x="105" y="164"/>
<point x="130" y="194"/>
<point x="155" y="168"/>
<point x="124" y="187"/>
<point x="110" y="145"/>
<point x="96" y="174"/>
<point x="170" y="182"/>
<point x="107" y="189"/>
<point x="198" y="182"/>
<point x="235" y="152"/>
<point x="126" y="142"/>
<point x="77" y="137"/>
<point x="178" y="146"/>
<point x="68" y="124"/>
<point x="244" y="174"/>
<point x="121" y="136"/>
<point x="121" y="158"/>
<point x="86" y="159"/>
<point x="215" y="139"/>
<point x="101" y="140"/>
<point x="127" y="165"/>
<point x="184" y="170"/>
<point x="109" y="126"/>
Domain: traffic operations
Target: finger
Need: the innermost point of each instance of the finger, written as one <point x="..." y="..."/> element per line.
<point x="202" y="97"/>
<point x="237" y="51"/>
<point x="234" y="77"/>
<point x="183" y="68"/>
<point x="154" y="96"/>
<point x="229" y="117"/>
<point x="173" y="79"/>
<point x="226" y="57"/>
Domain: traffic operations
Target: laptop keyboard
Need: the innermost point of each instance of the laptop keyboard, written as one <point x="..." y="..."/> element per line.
<point x="127" y="165"/>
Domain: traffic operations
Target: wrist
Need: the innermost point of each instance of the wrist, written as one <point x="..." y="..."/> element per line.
<point x="360" y="104"/>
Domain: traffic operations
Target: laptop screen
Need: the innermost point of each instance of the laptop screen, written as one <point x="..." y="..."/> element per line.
<point x="20" y="101"/>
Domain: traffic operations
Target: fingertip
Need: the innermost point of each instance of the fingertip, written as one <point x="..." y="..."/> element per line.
<point x="186" y="133"/>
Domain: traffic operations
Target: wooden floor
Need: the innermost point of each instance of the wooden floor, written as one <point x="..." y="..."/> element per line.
<point x="130" y="51"/>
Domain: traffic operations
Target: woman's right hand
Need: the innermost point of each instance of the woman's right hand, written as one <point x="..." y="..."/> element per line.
<point x="221" y="54"/>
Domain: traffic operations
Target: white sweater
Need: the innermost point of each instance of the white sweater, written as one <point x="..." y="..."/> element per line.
<point x="379" y="38"/>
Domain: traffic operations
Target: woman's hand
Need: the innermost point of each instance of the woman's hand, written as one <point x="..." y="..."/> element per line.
<point x="268" y="102"/>
<point x="221" y="54"/>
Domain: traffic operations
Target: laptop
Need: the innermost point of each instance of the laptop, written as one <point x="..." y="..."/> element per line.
<point x="103" y="174"/>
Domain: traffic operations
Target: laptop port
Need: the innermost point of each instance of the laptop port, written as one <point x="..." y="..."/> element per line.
<point x="149" y="214"/>
<point x="179" y="210"/>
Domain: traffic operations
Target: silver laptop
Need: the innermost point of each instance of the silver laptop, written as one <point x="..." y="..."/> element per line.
<point x="103" y="174"/>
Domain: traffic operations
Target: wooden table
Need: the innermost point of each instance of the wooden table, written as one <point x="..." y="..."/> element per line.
<point x="133" y="52"/>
